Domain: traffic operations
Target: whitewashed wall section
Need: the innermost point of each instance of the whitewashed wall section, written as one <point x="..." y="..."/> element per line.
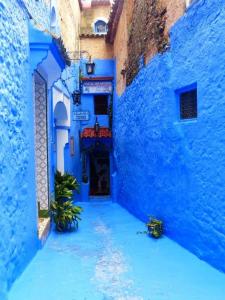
<point x="61" y="106"/>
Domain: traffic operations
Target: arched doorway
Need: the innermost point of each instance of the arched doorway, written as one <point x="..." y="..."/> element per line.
<point x="99" y="173"/>
<point x="62" y="133"/>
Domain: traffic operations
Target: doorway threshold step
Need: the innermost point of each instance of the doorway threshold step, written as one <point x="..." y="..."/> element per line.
<point x="100" y="198"/>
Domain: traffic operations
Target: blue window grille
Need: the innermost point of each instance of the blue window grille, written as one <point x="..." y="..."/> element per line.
<point x="188" y="104"/>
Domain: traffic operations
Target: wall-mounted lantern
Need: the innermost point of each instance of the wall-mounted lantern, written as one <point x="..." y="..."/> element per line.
<point x="76" y="97"/>
<point x="96" y="126"/>
<point x="90" y="67"/>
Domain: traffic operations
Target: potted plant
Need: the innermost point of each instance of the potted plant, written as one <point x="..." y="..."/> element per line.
<point x="155" y="227"/>
<point x="65" y="214"/>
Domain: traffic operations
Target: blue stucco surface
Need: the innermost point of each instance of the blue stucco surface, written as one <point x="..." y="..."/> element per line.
<point x="170" y="168"/>
<point x="167" y="168"/>
<point x="103" y="67"/>
<point x="18" y="216"/>
<point x="107" y="259"/>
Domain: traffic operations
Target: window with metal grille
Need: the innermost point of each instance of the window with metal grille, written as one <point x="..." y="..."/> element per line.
<point x="101" y="104"/>
<point x="188" y="104"/>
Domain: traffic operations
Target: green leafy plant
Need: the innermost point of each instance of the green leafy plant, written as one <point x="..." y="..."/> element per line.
<point x="65" y="214"/>
<point x="155" y="228"/>
<point x="65" y="185"/>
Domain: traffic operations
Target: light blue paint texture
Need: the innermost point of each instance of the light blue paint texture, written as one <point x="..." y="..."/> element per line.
<point x="107" y="260"/>
<point x="175" y="169"/>
<point x="18" y="220"/>
<point x="18" y="216"/>
<point x="41" y="13"/>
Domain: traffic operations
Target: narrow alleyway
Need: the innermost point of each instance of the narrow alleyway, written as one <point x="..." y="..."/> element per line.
<point x="107" y="260"/>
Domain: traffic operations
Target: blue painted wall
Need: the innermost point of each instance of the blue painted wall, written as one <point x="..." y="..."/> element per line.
<point x="70" y="79"/>
<point x="103" y="67"/>
<point x="18" y="215"/>
<point x="170" y="168"/>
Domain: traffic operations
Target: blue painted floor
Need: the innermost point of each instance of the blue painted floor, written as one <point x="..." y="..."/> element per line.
<point x="107" y="260"/>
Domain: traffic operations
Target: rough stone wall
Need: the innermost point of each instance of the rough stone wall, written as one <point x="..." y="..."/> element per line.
<point x="89" y="15"/>
<point x="69" y="13"/>
<point x="170" y="168"/>
<point x="18" y="216"/>
<point x="174" y="9"/>
<point x="40" y="12"/>
<point x="67" y="19"/>
<point x="143" y="31"/>
<point x="97" y="47"/>
<point x="146" y="35"/>
<point x="120" y="45"/>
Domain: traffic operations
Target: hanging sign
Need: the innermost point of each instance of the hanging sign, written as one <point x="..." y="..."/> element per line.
<point x="81" y="116"/>
<point x="97" y="87"/>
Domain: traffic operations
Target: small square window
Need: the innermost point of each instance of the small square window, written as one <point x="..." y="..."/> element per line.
<point x="101" y="104"/>
<point x="100" y="27"/>
<point x="188" y="104"/>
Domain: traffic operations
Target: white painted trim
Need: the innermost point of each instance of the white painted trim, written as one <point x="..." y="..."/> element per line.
<point x="62" y="136"/>
<point x="188" y="3"/>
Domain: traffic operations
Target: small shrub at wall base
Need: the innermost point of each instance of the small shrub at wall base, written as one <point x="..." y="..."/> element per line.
<point x="155" y="228"/>
<point x="65" y="214"/>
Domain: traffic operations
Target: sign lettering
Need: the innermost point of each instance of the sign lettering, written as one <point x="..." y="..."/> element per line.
<point x="97" y="87"/>
<point x="81" y="116"/>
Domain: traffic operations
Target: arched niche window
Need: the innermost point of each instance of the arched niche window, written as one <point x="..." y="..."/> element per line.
<point x="100" y="26"/>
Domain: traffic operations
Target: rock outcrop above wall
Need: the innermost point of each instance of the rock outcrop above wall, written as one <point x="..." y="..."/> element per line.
<point x="147" y="34"/>
<point x="170" y="168"/>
